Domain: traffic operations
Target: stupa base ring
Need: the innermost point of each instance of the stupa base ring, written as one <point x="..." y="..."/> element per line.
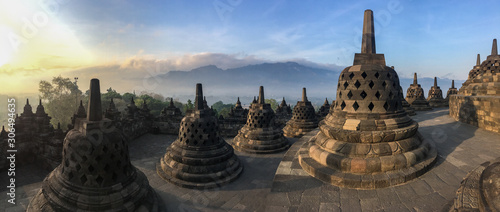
<point x="230" y="174"/>
<point x="365" y="181"/>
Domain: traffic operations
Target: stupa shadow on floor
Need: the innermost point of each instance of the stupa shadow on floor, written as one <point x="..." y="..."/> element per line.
<point x="446" y="137"/>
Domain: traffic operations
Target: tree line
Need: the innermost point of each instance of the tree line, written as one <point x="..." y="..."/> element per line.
<point x="61" y="98"/>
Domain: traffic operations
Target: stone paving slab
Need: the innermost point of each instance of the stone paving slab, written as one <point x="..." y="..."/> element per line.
<point x="275" y="182"/>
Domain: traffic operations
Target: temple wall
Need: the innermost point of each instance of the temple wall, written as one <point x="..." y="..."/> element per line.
<point x="480" y="111"/>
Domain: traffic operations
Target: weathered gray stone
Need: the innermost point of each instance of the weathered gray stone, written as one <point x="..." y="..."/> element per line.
<point x="303" y="120"/>
<point x="477" y="102"/>
<point x="260" y="134"/>
<point x="415" y="96"/>
<point x="435" y="97"/>
<point x="368" y="140"/>
<point x="199" y="158"/>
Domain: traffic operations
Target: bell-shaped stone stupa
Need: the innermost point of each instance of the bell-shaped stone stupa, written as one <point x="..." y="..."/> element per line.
<point x="96" y="173"/>
<point x="303" y="120"/>
<point x="199" y="158"/>
<point x="451" y="91"/>
<point x="415" y="96"/>
<point x="260" y="134"/>
<point x="368" y="140"/>
<point x="435" y="97"/>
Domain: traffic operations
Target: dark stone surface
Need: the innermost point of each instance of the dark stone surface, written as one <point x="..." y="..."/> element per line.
<point x="95" y="168"/>
<point x="199" y="158"/>
<point x="415" y="96"/>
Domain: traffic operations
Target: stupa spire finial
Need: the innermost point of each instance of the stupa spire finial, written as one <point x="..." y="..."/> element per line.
<point x="415" y="78"/>
<point x="478" y="61"/>
<point x="198" y="102"/>
<point x="368" y="42"/>
<point x="304" y="95"/>
<point x="494" y="49"/>
<point x="452" y="83"/>
<point x="261" y="95"/>
<point x="94" y="112"/>
<point x="435" y="82"/>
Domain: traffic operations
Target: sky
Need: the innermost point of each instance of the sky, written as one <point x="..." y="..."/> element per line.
<point x="125" y="42"/>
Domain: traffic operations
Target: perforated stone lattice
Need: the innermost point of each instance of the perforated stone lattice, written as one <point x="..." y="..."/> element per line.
<point x="369" y="87"/>
<point x="83" y="168"/>
<point x="260" y="118"/>
<point x="195" y="133"/>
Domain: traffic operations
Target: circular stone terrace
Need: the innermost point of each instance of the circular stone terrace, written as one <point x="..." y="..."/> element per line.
<point x="276" y="182"/>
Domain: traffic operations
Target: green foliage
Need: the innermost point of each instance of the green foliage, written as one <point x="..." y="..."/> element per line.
<point x="128" y="96"/>
<point x="106" y="97"/>
<point x="188" y="106"/>
<point x="222" y="109"/>
<point x="273" y="102"/>
<point x="62" y="97"/>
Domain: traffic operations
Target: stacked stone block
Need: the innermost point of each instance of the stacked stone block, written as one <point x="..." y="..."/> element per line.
<point x="169" y="120"/>
<point x="260" y="134"/>
<point x="95" y="173"/>
<point x="451" y="91"/>
<point x="435" y="97"/>
<point x="415" y="96"/>
<point x="235" y="120"/>
<point x="324" y="109"/>
<point x="477" y="103"/>
<point x="368" y="140"/>
<point x="199" y="158"/>
<point x="303" y="120"/>
<point x="283" y="114"/>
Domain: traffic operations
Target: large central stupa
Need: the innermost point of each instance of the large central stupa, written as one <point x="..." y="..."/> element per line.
<point x="368" y="140"/>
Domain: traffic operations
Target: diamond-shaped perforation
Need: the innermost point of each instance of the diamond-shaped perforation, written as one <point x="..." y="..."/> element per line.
<point x="389" y="75"/>
<point x="371" y="106"/>
<point x="386" y="106"/>
<point x="99" y="179"/>
<point x="340" y="94"/>
<point x="355" y="106"/>
<point x="363" y="94"/>
<point x="351" y="75"/>
<point x="377" y="95"/>
<point x="346" y="84"/>
<point x="349" y="95"/>
<point x="391" y="95"/>
<point x="342" y="106"/>
<point x="91" y="168"/>
<point x="83" y="179"/>
<point x="364" y="75"/>
<point x="371" y="84"/>
<point x="377" y="75"/>
<point x="357" y="84"/>
<point x="384" y="84"/>
<point x="78" y="167"/>
<point x="70" y="175"/>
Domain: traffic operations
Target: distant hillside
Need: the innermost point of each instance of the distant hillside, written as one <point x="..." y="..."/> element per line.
<point x="278" y="79"/>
